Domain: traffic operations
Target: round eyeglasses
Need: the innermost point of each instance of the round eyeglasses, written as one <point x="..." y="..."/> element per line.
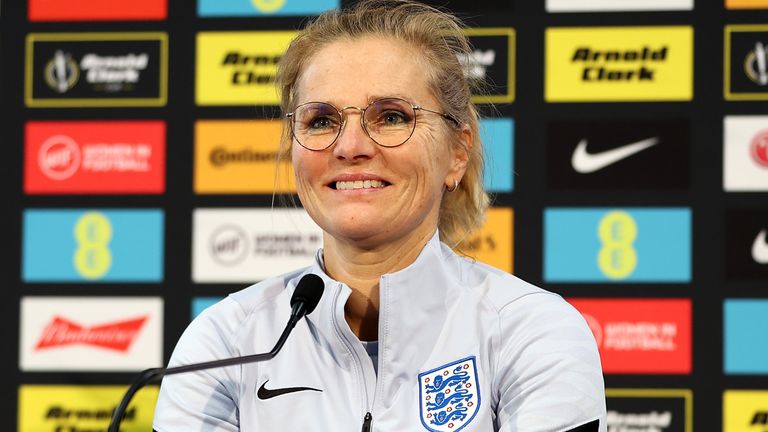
<point x="389" y="122"/>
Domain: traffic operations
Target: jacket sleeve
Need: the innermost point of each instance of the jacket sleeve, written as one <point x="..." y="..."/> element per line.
<point x="548" y="376"/>
<point x="206" y="400"/>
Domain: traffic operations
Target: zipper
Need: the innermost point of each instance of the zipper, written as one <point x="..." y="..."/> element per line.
<point x="367" y="422"/>
<point x="358" y="365"/>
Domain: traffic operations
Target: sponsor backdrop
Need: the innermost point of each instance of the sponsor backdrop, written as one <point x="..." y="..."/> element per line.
<point x="627" y="148"/>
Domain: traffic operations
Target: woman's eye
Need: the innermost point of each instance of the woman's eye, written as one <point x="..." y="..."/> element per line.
<point x="320" y="123"/>
<point x="393" y="118"/>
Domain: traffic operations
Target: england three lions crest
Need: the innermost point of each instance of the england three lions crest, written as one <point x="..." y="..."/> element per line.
<point x="449" y="396"/>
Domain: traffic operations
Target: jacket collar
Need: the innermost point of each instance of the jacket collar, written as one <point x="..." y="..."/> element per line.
<point x="413" y="306"/>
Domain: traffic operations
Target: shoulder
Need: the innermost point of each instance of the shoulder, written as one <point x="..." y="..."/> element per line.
<point x="502" y="291"/>
<point x="219" y="324"/>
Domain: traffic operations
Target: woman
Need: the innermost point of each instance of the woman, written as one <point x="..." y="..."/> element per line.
<point x="408" y="335"/>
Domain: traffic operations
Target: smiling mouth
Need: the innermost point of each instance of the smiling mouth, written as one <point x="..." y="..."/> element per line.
<point x="358" y="184"/>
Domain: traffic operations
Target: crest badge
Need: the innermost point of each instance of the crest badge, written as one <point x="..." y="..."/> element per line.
<point x="449" y="396"/>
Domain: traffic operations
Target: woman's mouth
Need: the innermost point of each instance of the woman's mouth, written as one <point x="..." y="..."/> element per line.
<point x="358" y="184"/>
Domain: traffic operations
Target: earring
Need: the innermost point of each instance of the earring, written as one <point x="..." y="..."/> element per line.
<point x="455" y="185"/>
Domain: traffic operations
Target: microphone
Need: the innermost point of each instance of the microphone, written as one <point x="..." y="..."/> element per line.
<point x="305" y="298"/>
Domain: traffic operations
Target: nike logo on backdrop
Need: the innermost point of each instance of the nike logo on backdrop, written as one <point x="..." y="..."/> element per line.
<point x="586" y="163"/>
<point x="760" y="248"/>
<point x="264" y="393"/>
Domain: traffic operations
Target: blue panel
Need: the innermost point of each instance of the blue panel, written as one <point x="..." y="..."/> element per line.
<point x="201" y="303"/>
<point x="746" y="336"/>
<point x="92" y="245"/>
<point x="498" y="136"/>
<point x="234" y="8"/>
<point x="617" y="245"/>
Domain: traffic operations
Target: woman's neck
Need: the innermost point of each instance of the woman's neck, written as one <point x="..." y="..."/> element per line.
<point x="360" y="268"/>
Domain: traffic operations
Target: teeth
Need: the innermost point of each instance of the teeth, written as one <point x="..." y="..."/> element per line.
<point x="359" y="184"/>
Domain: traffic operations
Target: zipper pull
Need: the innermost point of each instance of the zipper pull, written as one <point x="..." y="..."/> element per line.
<point x="367" y="422"/>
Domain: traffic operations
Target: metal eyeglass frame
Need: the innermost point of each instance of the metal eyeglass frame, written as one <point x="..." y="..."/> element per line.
<point x="415" y="107"/>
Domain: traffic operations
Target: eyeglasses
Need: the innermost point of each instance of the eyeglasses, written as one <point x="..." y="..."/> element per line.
<point x="389" y="122"/>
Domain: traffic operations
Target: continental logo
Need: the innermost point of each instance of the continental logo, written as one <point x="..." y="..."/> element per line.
<point x="97" y="10"/>
<point x="493" y="243"/>
<point x="237" y="8"/>
<point x="746" y="4"/>
<point x="60" y="408"/>
<point x="649" y="410"/>
<point x="96" y="69"/>
<point x="617" y="64"/>
<point x="239" y="68"/>
<point x="492" y="62"/>
<point x="240" y="157"/>
<point x="745" y="411"/>
<point x="90" y="333"/>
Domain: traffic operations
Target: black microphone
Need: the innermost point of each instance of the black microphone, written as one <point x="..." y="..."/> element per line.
<point x="304" y="300"/>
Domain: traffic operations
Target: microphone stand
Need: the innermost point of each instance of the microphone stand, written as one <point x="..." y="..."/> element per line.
<point x="152" y="374"/>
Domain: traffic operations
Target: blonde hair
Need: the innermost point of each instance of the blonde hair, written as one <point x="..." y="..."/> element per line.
<point x="440" y="37"/>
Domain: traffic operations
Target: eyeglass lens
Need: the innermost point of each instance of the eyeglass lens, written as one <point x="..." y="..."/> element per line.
<point x="389" y="122"/>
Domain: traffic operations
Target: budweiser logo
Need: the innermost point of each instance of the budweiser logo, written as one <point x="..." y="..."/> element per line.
<point x="115" y="336"/>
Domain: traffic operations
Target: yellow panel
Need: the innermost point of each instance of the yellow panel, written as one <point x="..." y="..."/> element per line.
<point x="238" y="68"/>
<point x="65" y="407"/>
<point x="619" y="64"/>
<point x="745" y="410"/>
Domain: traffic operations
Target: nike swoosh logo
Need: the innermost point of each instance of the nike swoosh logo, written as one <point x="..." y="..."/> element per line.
<point x="264" y="393"/>
<point x="760" y="248"/>
<point x="586" y="163"/>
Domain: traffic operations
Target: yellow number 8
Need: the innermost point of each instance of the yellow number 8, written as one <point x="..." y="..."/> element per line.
<point x="93" y="232"/>
<point x="617" y="231"/>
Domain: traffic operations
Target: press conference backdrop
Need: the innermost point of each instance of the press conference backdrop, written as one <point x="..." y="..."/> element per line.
<point x="628" y="154"/>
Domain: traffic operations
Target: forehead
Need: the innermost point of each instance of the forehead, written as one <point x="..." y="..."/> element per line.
<point x="356" y="71"/>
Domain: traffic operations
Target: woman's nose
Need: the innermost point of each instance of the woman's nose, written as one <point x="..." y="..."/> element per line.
<point x="353" y="142"/>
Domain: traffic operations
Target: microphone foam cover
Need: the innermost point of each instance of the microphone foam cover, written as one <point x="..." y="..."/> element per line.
<point x="309" y="290"/>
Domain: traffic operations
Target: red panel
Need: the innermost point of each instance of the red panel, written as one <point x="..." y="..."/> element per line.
<point x="101" y="10"/>
<point x="109" y="157"/>
<point x="640" y="336"/>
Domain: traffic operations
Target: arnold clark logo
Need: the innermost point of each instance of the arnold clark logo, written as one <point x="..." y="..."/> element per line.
<point x="96" y="69"/>
<point x="492" y="61"/>
<point x="94" y="157"/>
<point x="619" y="64"/>
<point x="746" y="62"/>
<point x="224" y="8"/>
<point x="745" y="410"/>
<point x="640" y="336"/>
<point x="248" y="245"/>
<point x="649" y="410"/>
<point x="74" y="408"/>
<point x="617" y="245"/>
<point x="239" y="68"/>
<point x="90" y="333"/>
<point x="79" y="245"/>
